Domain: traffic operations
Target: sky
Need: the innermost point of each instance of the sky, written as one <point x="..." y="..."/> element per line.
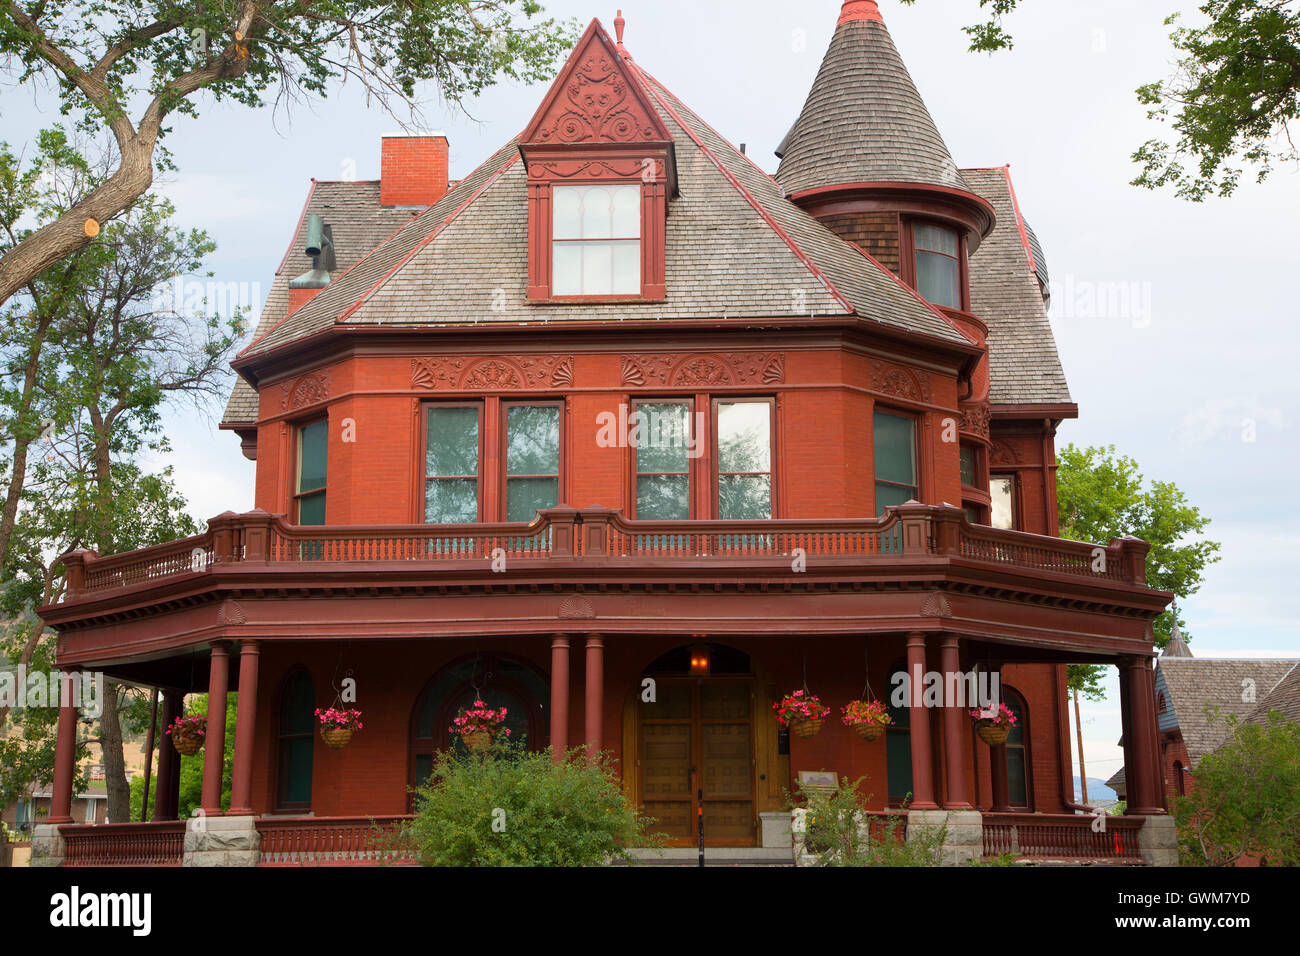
<point x="1176" y="322"/>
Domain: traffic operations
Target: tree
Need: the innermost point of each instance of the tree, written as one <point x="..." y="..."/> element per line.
<point x="1234" y="93"/>
<point x="191" y="773"/>
<point x="116" y="354"/>
<point x="1245" y="798"/>
<point x="1102" y="495"/>
<point x="130" y="66"/>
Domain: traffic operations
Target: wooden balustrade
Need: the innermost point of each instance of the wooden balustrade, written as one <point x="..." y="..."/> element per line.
<point x="598" y="534"/>
<point x="1062" y="836"/>
<point x="333" y="841"/>
<point x="123" y="844"/>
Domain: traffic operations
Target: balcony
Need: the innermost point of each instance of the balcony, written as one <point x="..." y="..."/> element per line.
<point x="902" y="570"/>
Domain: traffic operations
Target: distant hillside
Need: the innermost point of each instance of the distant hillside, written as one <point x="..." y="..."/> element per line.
<point x="1097" y="790"/>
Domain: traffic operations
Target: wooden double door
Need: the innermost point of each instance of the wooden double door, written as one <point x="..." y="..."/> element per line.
<point x="696" y="757"/>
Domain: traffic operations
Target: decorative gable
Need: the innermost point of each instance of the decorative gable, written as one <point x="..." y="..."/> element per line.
<point x="595" y="100"/>
<point x="601" y="164"/>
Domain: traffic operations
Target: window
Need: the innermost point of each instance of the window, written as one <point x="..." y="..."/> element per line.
<point x="895" y="448"/>
<point x="1180" y="784"/>
<point x="663" y="463"/>
<point x="1002" y="493"/>
<point x="1017" y="753"/>
<point x="451" y="464"/>
<point x="969" y="465"/>
<point x="938" y="269"/>
<point x="310" y="487"/>
<point x="596" y="240"/>
<point x="532" y="460"/>
<point x="744" y="431"/>
<point x="295" y="742"/>
<point x="91" y="804"/>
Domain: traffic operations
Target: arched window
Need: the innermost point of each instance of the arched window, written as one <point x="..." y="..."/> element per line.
<point x="898" y="742"/>
<point x="1161" y="704"/>
<point x="296" y="738"/>
<point x="1179" y="786"/>
<point x="1017" y="750"/>
<point x="501" y="682"/>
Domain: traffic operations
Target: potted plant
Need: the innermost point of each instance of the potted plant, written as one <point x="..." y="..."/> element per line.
<point x="868" y="718"/>
<point x="479" y="725"/>
<point x="187" y="733"/>
<point x="802" y="712"/>
<point x="994" y="724"/>
<point x="337" y="726"/>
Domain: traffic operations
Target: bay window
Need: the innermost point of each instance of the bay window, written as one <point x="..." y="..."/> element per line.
<point x="532" y="460"/>
<point x="744" y="456"/>
<point x="451" y="464"/>
<point x="309" y="485"/>
<point x="894" y="439"/>
<point x="663" y="461"/>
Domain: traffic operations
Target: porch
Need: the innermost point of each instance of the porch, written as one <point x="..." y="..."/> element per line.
<point x="584" y="601"/>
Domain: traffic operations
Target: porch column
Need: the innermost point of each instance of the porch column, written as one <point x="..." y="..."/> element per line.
<point x="559" y="697"/>
<point x="241" y="774"/>
<point x="955" y="725"/>
<point x="65" y="751"/>
<point x="166" y="801"/>
<point x="919" y="724"/>
<point x="214" y="745"/>
<point x="593" y="711"/>
<point x="1141" y="753"/>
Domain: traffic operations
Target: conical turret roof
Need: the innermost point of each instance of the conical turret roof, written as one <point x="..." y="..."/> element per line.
<point x="864" y="121"/>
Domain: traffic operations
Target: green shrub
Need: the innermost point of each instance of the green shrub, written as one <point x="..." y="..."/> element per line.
<point x="840" y="832"/>
<point x="510" y="807"/>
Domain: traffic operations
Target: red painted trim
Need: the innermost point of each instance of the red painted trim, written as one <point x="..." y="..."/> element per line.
<point x="859" y="10"/>
<point x="1020" y="221"/>
<point x="758" y="207"/>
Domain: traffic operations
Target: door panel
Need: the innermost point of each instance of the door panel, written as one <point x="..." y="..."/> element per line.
<point x="696" y="744"/>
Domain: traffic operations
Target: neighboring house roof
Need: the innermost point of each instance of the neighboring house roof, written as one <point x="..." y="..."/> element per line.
<point x="1197" y="686"/>
<point x="1009" y="295"/>
<point x="864" y="121"/>
<point x="1116" y="783"/>
<point x="358" y="223"/>
<point x="1283" y="698"/>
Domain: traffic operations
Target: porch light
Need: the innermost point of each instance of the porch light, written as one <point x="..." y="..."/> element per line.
<point x="700" y="660"/>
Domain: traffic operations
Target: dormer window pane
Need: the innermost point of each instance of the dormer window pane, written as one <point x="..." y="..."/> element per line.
<point x="938" y="270"/>
<point x="597" y="240"/>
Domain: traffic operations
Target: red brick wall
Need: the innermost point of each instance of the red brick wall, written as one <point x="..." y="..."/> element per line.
<point x="413" y="170"/>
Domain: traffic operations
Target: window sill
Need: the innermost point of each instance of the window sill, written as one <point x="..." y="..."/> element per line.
<point x="597" y="299"/>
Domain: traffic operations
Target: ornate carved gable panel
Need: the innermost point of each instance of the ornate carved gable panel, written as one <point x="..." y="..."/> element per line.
<point x="704" y="371"/>
<point x="975" y="420"/>
<point x="492" y="373"/>
<point x="899" y="382"/>
<point x="595" y="100"/>
<point x="309" y="389"/>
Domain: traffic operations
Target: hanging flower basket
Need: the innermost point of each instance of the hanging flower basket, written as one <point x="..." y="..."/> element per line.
<point x="868" y="718"/>
<point x="802" y="712"/>
<point x="994" y="724"/>
<point x="338" y="726"/>
<point x="479" y="725"/>
<point x="188" y="733"/>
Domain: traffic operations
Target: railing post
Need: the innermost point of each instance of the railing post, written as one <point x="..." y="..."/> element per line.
<point x="595" y="530"/>
<point x="75" y="562"/>
<point x="947" y="524"/>
<point x="562" y="522"/>
<point x="257" y="535"/>
<point x="1134" y="551"/>
<point x="222" y="530"/>
<point x="914" y="518"/>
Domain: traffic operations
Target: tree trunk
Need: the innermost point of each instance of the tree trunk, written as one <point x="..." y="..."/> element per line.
<point x="110" y="739"/>
<point x="22" y="444"/>
<point x="1078" y="731"/>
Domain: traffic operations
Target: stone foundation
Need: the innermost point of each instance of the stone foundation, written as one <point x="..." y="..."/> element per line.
<point x="47" y="845"/>
<point x="1158" y="841"/>
<point x="964" y="839"/>
<point x="775" y="830"/>
<point x="221" y="841"/>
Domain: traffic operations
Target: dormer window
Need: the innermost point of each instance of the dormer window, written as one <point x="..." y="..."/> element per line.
<point x="938" y="264"/>
<point x="596" y="240"/>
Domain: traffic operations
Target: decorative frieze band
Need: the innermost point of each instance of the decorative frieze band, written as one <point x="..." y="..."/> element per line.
<point x="495" y="373"/>
<point x="704" y="371"/>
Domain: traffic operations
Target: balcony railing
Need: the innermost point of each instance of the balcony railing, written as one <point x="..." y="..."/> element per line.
<point x="1062" y="836"/>
<point x="123" y="844"/>
<point x="600" y="535"/>
<point x="333" y="841"/>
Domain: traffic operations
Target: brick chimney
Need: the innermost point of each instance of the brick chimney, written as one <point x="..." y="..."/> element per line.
<point x="413" y="169"/>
